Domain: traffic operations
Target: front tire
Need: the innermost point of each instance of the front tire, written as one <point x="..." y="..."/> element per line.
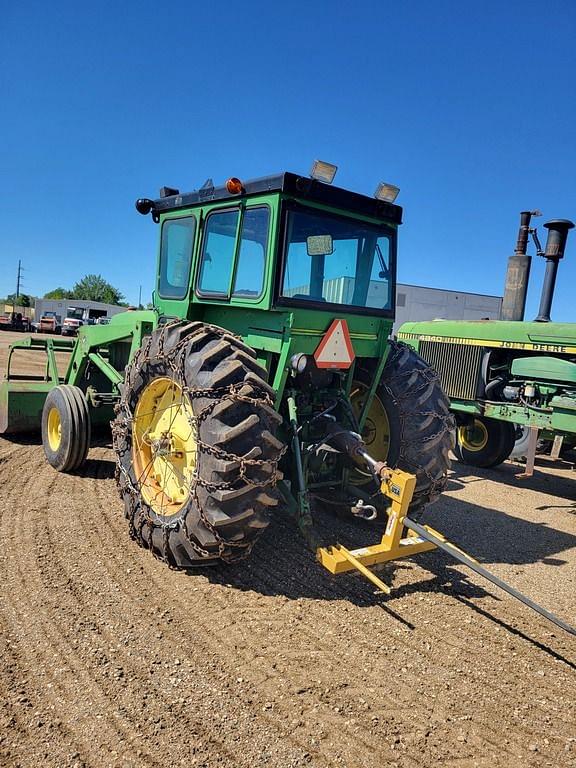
<point x="66" y="428"/>
<point x="485" y="442"/>
<point x="197" y="458"/>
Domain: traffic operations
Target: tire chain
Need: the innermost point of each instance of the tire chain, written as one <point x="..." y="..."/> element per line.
<point x="447" y="423"/>
<point x="122" y="426"/>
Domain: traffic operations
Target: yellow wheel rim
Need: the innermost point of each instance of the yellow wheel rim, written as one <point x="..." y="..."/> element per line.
<point x="54" y="429"/>
<point x="376" y="431"/>
<point x="473" y="437"/>
<point x="164" y="446"/>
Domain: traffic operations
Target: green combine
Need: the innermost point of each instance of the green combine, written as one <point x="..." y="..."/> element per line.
<point x="507" y="374"/>
<point x="266" y="354"/>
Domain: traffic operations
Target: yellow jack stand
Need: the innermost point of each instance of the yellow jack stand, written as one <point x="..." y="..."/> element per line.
<point x="398" y="486"/>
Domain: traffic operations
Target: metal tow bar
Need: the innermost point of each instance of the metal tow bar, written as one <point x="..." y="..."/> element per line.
<point x="438" y="540"/>
<point x="404" y="538"/>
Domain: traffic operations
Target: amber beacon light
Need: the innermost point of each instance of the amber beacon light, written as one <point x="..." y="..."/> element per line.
<point x="234" y="186"/>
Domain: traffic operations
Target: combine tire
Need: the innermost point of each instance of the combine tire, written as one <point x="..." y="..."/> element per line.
<point x="485" y="443"/>
<point x="66" y="428"/>
<point x="197" y="458"/>
<point x="409" y="424"/>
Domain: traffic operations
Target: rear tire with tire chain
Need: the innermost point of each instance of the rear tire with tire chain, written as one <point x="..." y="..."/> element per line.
<point x="420" y="423"/>
<point x="226" y="510"/>
<point x="69" y="405"/>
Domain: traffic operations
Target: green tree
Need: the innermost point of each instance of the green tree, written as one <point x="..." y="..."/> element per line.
<point x="18" y="301"/>
<point x="58" y="293"/>
<point x="95" y="288"/>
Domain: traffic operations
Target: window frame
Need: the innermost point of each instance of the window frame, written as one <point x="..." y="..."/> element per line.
<point x="257" y="298"/>
<point x="167" y="220"/>
<point x="289" y="205"/>
<point x="229" y="297"/>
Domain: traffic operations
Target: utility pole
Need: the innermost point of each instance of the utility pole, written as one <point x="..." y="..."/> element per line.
<point x="140" y="298"/>
<point x="18" y="278"/>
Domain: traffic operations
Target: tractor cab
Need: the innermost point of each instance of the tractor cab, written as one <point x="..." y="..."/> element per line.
<point x="297" y="248"/>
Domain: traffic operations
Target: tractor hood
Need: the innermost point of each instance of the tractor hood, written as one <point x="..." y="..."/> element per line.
<point x="549" y="337"/>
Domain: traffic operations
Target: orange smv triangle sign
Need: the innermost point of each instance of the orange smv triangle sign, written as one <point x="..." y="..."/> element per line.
<point x="335" y="350"/>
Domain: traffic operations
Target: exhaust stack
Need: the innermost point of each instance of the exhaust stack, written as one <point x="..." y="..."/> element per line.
<point x="555" y="244"/>
<point x="518" y="272"/>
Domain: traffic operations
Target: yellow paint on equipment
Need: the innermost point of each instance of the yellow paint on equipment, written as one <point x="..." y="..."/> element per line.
<point x="473" y="437"/>
<point x="376" y="431"/>
<point x="398" y="487"/>
<point x="164" y="446"/>
<point x="54" y="429"/>
<point x="495" y="343"/>
<point x="353" y="334"/>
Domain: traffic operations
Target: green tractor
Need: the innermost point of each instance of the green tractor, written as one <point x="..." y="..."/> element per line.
<point x="503" y="376"/>
<point x="265" y="357"/>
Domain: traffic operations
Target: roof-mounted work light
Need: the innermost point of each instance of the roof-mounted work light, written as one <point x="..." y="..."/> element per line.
<point x="386" y="192"/>
<point x="322" y="171"/>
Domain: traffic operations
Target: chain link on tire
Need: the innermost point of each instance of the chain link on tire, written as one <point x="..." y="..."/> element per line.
<point x="421" y="425"/>
<point x="237" y="455"/>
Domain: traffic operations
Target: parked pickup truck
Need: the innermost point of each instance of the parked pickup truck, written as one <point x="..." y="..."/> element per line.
<point x="49" y="323"/>
<point x="70" y="326"/>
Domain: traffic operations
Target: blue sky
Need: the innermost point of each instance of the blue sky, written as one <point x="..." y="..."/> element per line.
<point x="468" y="107"/>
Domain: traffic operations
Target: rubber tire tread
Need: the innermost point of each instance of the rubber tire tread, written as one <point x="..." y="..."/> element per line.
<point x="83" y="422"/>
<point x="508" y="441"/>
<point x="75" y="423"/>
<point x="238" y="515"/>
<point x="419" y="444"/>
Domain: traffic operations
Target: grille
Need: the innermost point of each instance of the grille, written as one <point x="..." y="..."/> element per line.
<point x="458" y="366"/>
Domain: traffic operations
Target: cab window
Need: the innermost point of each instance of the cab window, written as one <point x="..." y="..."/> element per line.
<point x="177" y="242"/>
<point x="338" y="260"/>
<point x="218" y="252"/>
<point x="234" y="254"/>
<point x="249" y="280"/>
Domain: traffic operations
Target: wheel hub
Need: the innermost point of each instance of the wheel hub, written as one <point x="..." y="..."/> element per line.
<point x="473" y="437"/>
<point x="376" y="430"/>
<point x="164" y="446"/>
<point x="54" y="429"/>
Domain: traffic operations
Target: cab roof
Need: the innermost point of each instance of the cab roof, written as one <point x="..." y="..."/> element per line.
<point x="301" y="187"/>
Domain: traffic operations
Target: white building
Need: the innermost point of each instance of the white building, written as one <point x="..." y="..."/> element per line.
<point x="87" y="311"/>
<point x="415" y="302"/>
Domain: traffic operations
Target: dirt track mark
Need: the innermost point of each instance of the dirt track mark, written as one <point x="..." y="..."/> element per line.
<point x="278" y="663"/>
<point x="237" y="635"/>
<point x="67" y="600"/>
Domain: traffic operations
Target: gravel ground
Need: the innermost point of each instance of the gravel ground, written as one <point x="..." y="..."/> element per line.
<point x="108" y="658"/>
